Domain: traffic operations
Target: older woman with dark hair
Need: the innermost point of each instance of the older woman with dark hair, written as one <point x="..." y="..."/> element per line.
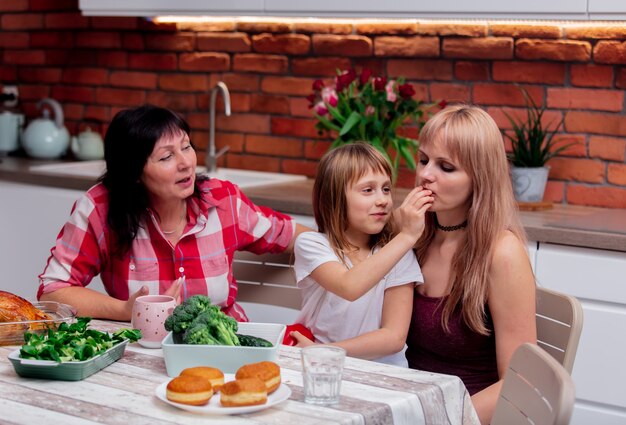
<point x="151" y="226"/>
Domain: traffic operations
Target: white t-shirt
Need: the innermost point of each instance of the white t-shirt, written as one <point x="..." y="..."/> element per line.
<point x="332" y="318"/>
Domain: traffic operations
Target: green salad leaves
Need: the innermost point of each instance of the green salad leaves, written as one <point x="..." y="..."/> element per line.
<point x="73" y="343"/>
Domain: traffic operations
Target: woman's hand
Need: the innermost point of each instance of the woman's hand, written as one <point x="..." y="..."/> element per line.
<point x="410" y="216"/>
<point x="174" y="290"/>
<point x="303" y="341"/>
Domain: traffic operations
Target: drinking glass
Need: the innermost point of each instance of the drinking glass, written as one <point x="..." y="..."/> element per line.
<point x="322" y="367"/>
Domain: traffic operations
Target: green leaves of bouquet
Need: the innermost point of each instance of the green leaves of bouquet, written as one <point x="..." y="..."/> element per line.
<point x="368" y="108"/>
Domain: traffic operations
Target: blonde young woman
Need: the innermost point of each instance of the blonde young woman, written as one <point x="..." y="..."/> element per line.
<point x="477" y="303"/>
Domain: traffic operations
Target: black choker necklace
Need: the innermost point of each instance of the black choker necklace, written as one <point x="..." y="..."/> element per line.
<point x="450" y="228"/>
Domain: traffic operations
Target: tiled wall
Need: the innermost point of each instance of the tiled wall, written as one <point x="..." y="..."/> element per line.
<point x="96" y="66"/>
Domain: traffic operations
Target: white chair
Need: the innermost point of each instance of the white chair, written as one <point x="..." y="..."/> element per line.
<point x="536" y="390"/>
<point x="559" y="324"/>
<point x="267" y="287"/>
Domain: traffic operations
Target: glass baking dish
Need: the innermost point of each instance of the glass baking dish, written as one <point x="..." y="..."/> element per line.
<point x="12" y="333"/>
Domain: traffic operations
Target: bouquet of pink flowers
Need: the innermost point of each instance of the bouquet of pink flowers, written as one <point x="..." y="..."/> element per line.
<point x="370" y="109"/>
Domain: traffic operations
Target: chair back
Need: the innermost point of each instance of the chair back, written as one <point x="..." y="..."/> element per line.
<point x="559" y="324"/>
<point x="536" y="390"/>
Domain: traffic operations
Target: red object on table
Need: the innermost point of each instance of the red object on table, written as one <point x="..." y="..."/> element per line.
<point x="289" y="340"/>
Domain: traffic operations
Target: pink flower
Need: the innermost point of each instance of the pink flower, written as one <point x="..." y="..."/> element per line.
<point x="391" y="94"/>
<point x="320" y="108"/>
<point x="329" y="96"/>
<point x="317" y="85"/>
<point x="406" y="91"/>
<point x="370" y="110"/>
<point x="379" y="83"/>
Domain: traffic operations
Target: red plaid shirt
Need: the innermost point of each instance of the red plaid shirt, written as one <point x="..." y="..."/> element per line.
<point x="223" y="222"/>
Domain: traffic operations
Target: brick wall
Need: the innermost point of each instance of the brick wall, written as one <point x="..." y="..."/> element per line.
<point x="97" y="66"/>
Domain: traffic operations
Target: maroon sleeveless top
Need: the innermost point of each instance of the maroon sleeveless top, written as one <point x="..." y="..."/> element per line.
<point x="462" y="352"/>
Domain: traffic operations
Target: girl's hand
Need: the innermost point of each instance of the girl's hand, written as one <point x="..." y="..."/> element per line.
<point x="303" y="341"/>
<point x="174" y="290"/>
<point x="128" y="304"/>
<point x="410" y="216"/>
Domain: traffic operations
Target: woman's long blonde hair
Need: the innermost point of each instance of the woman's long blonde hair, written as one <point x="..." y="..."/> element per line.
<point x="473" y="139"/>
<point x="338" y="169"/>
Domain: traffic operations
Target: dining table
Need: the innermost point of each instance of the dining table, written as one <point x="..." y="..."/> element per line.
<point x="124" y="393"/>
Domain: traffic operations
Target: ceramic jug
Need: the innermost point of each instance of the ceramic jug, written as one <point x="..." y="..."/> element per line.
<point x="88" y="145"/>
<point x="10" y="127"/>
<point x="46" y="138"/>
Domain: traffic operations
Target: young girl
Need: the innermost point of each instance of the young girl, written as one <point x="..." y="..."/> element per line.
<point x="356" y="279"/>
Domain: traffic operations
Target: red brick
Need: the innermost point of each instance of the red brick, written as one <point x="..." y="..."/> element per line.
<point x="115" y="22"/>
<point x="590" y="75"/>
<point x="239" y="102"/>
<point x="550" y="121"/>
<point x="505" y="94"/>
<point x="595" y="31"/>
<point x="152" y="61"/>
<point x="376" y="65"/>
<point x="393" y="28"/>
<point x="519" y="30"/>
<point x="286" y="85"/>
<point x="318" y="66"/>
<point x="555" y="192"/>
<point x="120" y="97"/>
<point x="342" y="45"/>
<point x="471" y="71"/>
<point x="205" y="62"/>
<point x="612" y="52"/>
<point x="133" y="41"/>
<point x="73" y="94"/>
<point x="315" y="149"/>
<point x="70" y="58"/>
<point x="617" y="174"/>
<point x="529" y="72"/>
<point x="438" y="70"/>
<point x="299" y="107"/>
<point x="112" y="59"/>
<point x="452" y="29"/>
<point x="595" y="122"/>
<point x="581" y="170"/>
<point x="478" y="48"/>
<point x="39" y="75"/>
<point x="594" y="99"/>
<point x="183" y="82"/>
<point x="34" y="92"/>
<point x="69" y="20"/>
<point x="323" y="27"/>
<point x="24" y="57"/>
<point x="297" y="127"/>
<point x="267" y="64"/>
<point x="86" y="76"/>
<point x="48" y="5"/>
<point x="178" y="42"/>
<point x="609" y="197"/>
<point x="99" y="40"/>
<point x="418" y="46"/>
<point x="21" y="21"/>
<point x="558" y="50"/>
<point x="269" y="104"/>
<point x="14" y="5"/>
<point x="576" y="146"/>
<point x="214" y="26"/>
<point x="13" y="40"/>
<point x="265" y="26"/>
<point x="99" y="114"/>
<point x="242" y="82"/>
<point x="178" y="102"/>
<point x="8" y="74"/>
<point x="224" y="42"/>
<point x="272" y="145"/>
<point x="303" y="168"/>
<point x="620" y="81"/>
<point x="52" y="39"/>
<point x="135" y="80"/>
<point x="244" y="123"/>
<point x="254" y="162"/>
<point x="609" y="148"/>
<point x="288" y="44"/>
<point x="451" y="93"/>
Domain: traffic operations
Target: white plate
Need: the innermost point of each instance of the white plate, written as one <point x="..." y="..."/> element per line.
<point x="213" y="407"/>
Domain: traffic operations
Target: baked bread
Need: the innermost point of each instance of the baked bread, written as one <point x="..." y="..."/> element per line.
<point x="268" y="372"/>
<point x="189" y="390"/>
<point x="243" y="392"/>
<point x="213" y="375"/>
<point x="14" y="308"/>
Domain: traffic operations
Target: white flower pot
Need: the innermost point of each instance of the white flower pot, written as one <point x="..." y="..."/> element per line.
<point x="529" y="184"/>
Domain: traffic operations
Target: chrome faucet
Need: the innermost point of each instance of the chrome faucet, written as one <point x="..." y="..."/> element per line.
<point x="211" y="156"/>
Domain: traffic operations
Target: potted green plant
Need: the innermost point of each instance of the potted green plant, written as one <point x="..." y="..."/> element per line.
<point x="532" y="146"/>
<point x="371" y="109"/>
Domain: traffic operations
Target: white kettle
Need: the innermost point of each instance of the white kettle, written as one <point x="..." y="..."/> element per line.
<point x="88" y="145"/>
<point x="45" y="138"/>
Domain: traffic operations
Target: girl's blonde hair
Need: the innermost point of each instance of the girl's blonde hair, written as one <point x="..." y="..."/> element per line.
<point x="473" y="139"/>
<point x="338" y="169"/>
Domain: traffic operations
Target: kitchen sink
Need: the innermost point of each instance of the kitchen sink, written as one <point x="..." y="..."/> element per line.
<point x="242" y="178"/>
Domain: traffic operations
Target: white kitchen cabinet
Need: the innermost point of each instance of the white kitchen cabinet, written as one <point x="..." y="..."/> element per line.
<point x="30" y="220"/>
<point x="598" y="279"/>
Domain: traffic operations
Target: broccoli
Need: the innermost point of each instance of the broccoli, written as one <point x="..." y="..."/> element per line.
<point x="200" y="322"/>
